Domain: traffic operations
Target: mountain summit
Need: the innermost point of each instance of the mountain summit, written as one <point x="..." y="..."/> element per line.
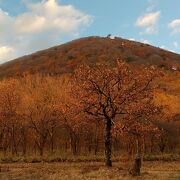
<point x="91" y="50"/>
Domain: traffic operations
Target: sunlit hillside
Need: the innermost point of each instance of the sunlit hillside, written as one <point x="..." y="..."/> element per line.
<point x="91" y="50"/>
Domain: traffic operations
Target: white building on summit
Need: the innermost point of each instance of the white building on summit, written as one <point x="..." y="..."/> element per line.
<point x="110" y="36"/>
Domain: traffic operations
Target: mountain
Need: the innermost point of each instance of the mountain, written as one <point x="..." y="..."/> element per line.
<point x="91" y="50"/>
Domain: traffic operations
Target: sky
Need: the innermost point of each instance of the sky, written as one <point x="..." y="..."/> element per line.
<point x="27" y="26"/>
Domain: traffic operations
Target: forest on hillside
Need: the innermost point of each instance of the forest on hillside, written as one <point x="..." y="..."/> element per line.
<point x="94" y="111"/>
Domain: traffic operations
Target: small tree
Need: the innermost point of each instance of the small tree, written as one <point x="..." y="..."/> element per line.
<point x="106" y="93"/>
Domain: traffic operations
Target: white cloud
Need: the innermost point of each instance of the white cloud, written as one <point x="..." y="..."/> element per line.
<point x="6" y="25"/>
<point x="163" y="47"/>
<point x="171" y="50"/>
<point x="175" y="26"/>
<point x="149" y="22"/>
<point x="49" y="15"/>
<point x="42" y="25"/>
<point x="132" y="39"/>
<point x="6" y="52"/>
<point x="175" y="44"/>
<point x="34" y="23"/>
<point x="146" y="41"/>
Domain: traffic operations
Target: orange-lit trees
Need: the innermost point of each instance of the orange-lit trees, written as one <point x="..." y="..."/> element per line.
<point x="107" y="93"/>
<point x="71" y="124"/>
<point x="40" y="100"/>
<point x="9" y="114"/>
<point x="169" y="131"/>
<point x="76" y="123"/>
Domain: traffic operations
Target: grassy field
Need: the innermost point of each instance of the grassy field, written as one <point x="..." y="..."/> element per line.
<point x="88" y="170"/>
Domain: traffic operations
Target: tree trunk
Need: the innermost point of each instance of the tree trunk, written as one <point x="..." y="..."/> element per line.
<point x="116" y="144"/>
<point x="162" y="145"/>
<point x="143" y="146"/>
<point x="14" y="145"/>
<point x="24" y="140"/>
<point x="52" y="146"/>
<point x="73" y="143"/>
<point x="136" y="169"/>
<point x="41" y="145"/>
<point x="52" y="135"/>
<point x="96" y="139"/>
<point x="41" y="151"/>
<point x="108" y="142"/>
<point x="152" y="144"/>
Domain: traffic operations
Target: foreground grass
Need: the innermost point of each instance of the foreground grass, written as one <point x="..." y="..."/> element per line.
<point x="87" y="170"/>
<point x="49" y="158"/>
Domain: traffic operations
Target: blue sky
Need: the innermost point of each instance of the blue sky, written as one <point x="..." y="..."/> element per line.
<point x="30" y="25"/>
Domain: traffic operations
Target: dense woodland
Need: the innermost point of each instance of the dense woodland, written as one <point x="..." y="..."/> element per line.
<point x="94" y="109"/>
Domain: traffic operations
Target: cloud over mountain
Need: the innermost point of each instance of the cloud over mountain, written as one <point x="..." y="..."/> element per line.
<point x="175" y="26"/>
<point x="40" y="26"/>
<point x="149" y="22"/>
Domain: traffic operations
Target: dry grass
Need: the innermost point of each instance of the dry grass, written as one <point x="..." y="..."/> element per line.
<point x="68" y="157"/>
<point x="87" y="170"/>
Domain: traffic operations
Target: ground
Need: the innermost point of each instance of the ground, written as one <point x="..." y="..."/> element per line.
<point x="87" y="170"/>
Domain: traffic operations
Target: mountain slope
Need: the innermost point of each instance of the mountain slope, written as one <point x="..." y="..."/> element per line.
<point x="65" y="58"/>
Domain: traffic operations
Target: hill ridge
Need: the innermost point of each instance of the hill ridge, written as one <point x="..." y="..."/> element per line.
<point x="66" y="57"/>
